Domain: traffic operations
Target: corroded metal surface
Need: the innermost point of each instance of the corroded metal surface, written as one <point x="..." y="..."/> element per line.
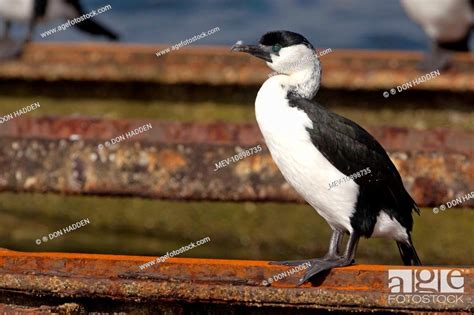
<point x="188" y="171"/>
<point x="392" y="138"/>
<point x="65" y="309"/>
<point x="346" y="69"/>
<point x="207" y="280"/>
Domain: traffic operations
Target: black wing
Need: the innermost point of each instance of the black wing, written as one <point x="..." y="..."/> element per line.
<point x="39" y="8"/>
<point x="90" y="25"/>
<point x="350" y="148"/>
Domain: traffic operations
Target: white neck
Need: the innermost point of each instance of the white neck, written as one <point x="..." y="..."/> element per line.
<point x="305" y="82"/>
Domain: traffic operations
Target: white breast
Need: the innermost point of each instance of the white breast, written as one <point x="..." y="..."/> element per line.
<point x="16" y="10"/>
<point x="58" y="9"/>
<point x="302" y="165"/>
<point x="442" y="20"/>
<point x="389" y="228"/>
<point x="22" y="10"/>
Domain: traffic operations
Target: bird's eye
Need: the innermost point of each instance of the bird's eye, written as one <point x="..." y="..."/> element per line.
<point x="276" y="47"/>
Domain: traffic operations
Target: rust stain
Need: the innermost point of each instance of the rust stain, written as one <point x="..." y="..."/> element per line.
<point x="153" y="161"/>
<point x="211" y="280"/>
<point x="239" y="134"/>
<point x="171" y="160"/>
<point x="161" y="170"/>
<point x="348" y="69"/>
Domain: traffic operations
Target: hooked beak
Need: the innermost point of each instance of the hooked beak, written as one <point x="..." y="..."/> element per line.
<point x="258" y="51"/>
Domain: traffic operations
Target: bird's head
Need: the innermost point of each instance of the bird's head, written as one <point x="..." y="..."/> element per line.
<point x="292" y="56"/>
<point x="285" y="52"/>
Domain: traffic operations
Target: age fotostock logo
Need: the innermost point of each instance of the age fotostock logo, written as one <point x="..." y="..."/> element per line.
<point x="425" y="286"/>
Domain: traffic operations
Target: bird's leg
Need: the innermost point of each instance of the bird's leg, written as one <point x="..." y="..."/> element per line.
<point x="31" y="30"/>
<point x="326" y="264"/>
<point x="9" y="48"/>
<point x="12" y="49"/>
<point x="334" y="245"/>
<point x="6" y="30"/>
<point x="438" y="58"/>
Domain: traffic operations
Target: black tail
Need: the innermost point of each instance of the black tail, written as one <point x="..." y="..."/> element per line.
<point x="408" y="253"/>
<point x="459" y="45"/>
<point x="92" y="27"/>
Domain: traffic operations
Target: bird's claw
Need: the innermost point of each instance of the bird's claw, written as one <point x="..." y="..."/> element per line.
<point x="291" y="262"/>
<point x="320" y="265"/>
<point x="10" y="49"/>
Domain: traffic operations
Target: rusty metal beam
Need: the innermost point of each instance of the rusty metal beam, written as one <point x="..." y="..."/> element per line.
<point x="440" y="140"/>
<point x="344" y="69"/>
<point x="118" y="278"/>
<point x="187" y="171"/>
<point x="66" y="308"/>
